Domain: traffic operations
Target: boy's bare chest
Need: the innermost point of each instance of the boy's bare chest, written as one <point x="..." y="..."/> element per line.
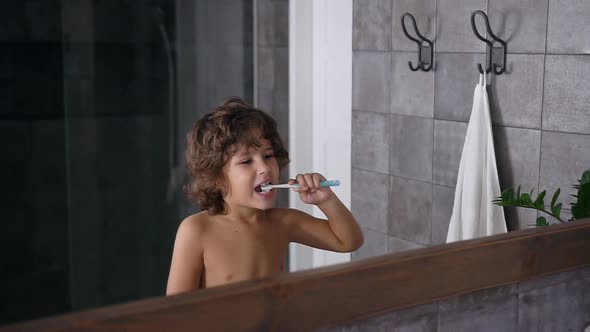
<point x="243" y="253"/>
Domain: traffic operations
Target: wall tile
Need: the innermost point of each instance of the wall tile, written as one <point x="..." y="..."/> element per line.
<point x="78" y="20"/>
<point x="79" y="97"/>
<point x="424" y="13"/>
<point x="449" y="138"/>
<point x="265" y="99"/>
<point x="371" y="25"/>
<point x="422" y="318"/>
<point x="265" y="67"/>
<point x="370" y="198"/>
<point x="563" y="159"/>
<point x="566" y="94"/>
<point x="240" y="14"/>
<point x="454" y="82"/>
<point x="522" y="24"/>
<point x="16" y="141"/>
<point x="281" y="69"/>
<point x="78" y="60"/>
<point x="560" y="307"/>
<point x="412" y="92"/>
<point x="371" y="78"/>
<point x="488" y="310"/>
<point x="516" y="96"/>
<point x="7" y="98"/>
<point x="376" y="244"/>
<point x="498" y="315"/>
<point x="272" y="26"/>
<point x="399" y="245"/>
<point x="454" y="32"/>
<point x="411" y="147"/>
<point x="280" y="112"/>
<point x="230" y="66"/>
<point x="442" y="209"/>
<point x="123" y="21"/>
<point x="44" y="20"/>
<point x="410" y="210"/>
<point x="7" y="61"/>
<point x="47" y="181"/>
<point x="273" y="67"/>
<point x="518" y="153"/>
<point x="370" y="141"/>
<point x="568" y="30"/>
<point x="555" y="278"/>
<point x="13" y="21"/>
<point x="476" y="298"/>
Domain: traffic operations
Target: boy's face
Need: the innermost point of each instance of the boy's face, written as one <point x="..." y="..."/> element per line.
<point x="246" y="171"/>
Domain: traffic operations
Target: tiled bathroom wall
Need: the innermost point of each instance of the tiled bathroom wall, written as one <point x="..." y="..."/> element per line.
<point x="272" y="68"/>
<point x="557" y="302"/>
<point x="408" y="127"/>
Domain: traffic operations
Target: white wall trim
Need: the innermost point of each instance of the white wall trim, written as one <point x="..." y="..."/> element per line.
<point x="320" y="106"/>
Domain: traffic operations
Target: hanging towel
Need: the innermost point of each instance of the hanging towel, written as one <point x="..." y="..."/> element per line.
<point x="474" y="214"/>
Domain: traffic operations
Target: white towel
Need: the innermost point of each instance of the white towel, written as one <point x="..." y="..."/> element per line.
<point x="474" y="214"/>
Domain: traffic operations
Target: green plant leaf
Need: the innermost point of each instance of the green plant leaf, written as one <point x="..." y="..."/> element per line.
<point x="581" y="208"/>
<point x="554" y="199"/>
<point x="539" y="202"/>
<point x="556" y="210"/>
<point x="541" y="221"/>
<point x="525" y="199"/>
<point x="507" y="195"/>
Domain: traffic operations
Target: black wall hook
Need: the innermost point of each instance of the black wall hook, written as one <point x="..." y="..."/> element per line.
<point x="424" y="50"/>
<point x="492" y="53"/>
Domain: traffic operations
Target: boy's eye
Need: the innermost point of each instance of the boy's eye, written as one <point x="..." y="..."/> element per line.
<point x="247" y="161"/>
<point x="268" y="156"/>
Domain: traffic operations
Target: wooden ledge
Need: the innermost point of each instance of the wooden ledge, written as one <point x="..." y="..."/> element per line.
<point x="342" y="293"/>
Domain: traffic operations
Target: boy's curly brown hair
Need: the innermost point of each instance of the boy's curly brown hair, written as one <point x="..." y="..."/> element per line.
<point x="215" y="138"/>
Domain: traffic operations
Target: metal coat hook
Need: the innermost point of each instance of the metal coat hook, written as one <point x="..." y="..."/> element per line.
<point x="424" y="63"/>
<point x="491" y="52"/>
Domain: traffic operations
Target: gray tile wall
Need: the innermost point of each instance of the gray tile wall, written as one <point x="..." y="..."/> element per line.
<point x="408" y="127"/>
<point x="272" y="66"/>
<point x="558" y="302"/>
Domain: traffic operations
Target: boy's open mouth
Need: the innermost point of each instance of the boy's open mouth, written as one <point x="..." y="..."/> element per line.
<point x="259" y="190"/>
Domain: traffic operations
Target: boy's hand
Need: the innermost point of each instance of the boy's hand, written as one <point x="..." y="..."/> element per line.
<point x="309" y="189"/>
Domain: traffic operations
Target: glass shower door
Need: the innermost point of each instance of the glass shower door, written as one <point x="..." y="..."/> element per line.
<point x="137" y="74"/>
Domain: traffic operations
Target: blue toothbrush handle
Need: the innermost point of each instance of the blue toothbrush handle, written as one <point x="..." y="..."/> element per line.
<point x="330" y="183"/>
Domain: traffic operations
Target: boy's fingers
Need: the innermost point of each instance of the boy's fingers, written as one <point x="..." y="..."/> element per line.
<point x="309" y="179"/>
<point x="301" y="181"/>
<point x="316" y="180"/>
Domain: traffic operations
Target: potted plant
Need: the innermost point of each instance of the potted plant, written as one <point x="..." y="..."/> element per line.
<point x="580" y="208"/>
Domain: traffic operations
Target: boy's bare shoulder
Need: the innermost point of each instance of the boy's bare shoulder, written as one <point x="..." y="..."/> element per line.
<point x="195" y="224"/>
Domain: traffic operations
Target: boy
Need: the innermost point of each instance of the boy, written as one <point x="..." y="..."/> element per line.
<point x="240" y="236"/>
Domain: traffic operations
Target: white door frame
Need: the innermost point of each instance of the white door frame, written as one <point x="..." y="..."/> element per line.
<point x="320" y="107"/>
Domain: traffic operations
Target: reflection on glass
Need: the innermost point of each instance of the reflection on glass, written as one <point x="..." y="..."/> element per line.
<point x="96" y="99"/>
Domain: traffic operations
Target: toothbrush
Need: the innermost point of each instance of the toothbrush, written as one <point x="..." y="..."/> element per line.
<point x="268" y="187"/>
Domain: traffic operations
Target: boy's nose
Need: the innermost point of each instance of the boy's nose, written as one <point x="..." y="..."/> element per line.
<point x="263" y="168"/>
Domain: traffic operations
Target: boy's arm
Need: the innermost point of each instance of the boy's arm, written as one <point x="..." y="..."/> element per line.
<point x="187" y="258"/>
<point x="340" y="233"/>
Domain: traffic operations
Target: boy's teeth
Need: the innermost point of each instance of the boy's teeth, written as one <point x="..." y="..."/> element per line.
<point x="259" y="189"/>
